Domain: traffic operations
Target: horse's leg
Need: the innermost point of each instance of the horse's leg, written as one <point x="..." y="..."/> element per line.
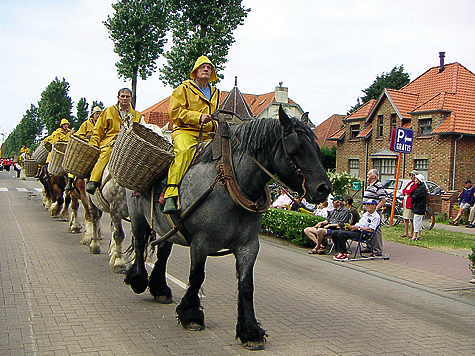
<point x="87" y="234"/>
<point x="64" y="215"/>
<point x="116" y="261"/>
<point x="157" y="284"/>
<point x="252" y="336"/>
<point x="94" y="243"/>
<point x="189" y="310"/>
<point x="136" y="276"/>
<point x="74" y="224"/>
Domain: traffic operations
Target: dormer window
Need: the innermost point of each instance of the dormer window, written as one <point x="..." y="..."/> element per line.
<point x="354" y="131"/>
<point x="425" y="126"/>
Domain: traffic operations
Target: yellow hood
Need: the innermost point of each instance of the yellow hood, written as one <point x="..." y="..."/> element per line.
<point x="202" y="60"/>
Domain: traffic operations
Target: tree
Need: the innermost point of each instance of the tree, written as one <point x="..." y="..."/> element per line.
<point x="25" y="133"/>
<point x="395" y="79"/>
<point x="55" y="104"/>
<point x="137" y="28"/>
<point x="82" y="113"/>
<point x="200" y="27"/>
<point x="97" y="103"/>
<point x="328" y="157"/>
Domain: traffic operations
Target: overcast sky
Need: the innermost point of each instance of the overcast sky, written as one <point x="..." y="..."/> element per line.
<point x="325" y="52"/>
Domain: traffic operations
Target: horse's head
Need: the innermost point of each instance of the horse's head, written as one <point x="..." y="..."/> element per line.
<point x="297" y="160"/>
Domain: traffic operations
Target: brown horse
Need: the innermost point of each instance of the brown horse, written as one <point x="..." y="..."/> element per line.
<point x="53" y="198"/>
<point x="78" y="193"/>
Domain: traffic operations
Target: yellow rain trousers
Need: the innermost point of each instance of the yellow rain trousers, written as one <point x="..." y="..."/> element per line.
<point x="104" y="134"/>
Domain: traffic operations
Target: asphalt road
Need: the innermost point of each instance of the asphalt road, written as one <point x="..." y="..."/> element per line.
<point x="57" y="299"/>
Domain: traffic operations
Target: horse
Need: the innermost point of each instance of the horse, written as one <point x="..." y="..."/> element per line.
<point x="53" y="194"/>
<point x="110" y="198"/>
<point x="287" y="148"/>
<point x="78" y="193"/>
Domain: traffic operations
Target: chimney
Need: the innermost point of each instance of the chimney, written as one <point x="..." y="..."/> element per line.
<point x="281" y="94"/>
<point x="441" y="56"/>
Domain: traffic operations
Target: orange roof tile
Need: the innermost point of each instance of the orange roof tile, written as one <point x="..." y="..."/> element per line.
<point x="327" y="128"/>
<point x="362" y="112"/>
<point x="337" y="136"/>
<point x="366" y="131"/>
<point x="403" y="102"/>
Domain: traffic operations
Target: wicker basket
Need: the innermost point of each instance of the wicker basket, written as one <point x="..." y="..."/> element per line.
<point x="55" y="165"/>
<point x="41" y="153"/>
<point x="80" y="157"/>
<point x="139" y="157"/>
<point x="31" y="167"/>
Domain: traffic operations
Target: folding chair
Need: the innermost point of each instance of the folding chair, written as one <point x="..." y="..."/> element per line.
<point x="367" y="239"/>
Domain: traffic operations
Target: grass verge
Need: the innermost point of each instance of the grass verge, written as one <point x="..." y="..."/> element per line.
<point x="433" y="239"/>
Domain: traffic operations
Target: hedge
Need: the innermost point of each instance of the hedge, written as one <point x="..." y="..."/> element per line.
<point x="289" y="224"/>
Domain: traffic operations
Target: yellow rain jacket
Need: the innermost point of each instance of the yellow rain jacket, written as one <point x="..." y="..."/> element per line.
<point x="85" y="130"/>
<point x="187" y="103"/>
<point x="104" y="135"/>
<point x="25" y="150"/>
<point x="57" y="135"/>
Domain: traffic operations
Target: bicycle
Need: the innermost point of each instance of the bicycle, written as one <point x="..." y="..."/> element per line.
<point x="428" y="220"/>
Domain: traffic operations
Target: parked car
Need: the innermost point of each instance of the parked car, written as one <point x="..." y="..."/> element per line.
<point x="432" y="188"/>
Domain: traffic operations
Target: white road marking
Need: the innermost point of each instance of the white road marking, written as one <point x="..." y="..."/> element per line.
<point x="3" y="189"/>
<point x="22" y="189"/>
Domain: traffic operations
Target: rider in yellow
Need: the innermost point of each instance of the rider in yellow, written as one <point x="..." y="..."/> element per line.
<point x="85" y="132"/>
<point x="26" y="150"/>
<point x="60" y="134"/>
<point x="190" y="109"/>
<point x="105" y="133"/>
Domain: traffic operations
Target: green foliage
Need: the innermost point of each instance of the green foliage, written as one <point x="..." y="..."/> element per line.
<point x="289" y="224"/>
<point x="55" y="104"/>
<point x="138" y="29"/>
<point x="25" y="133"/>
<point x="200" y="27"/>
<point x="328" y="157"/>
<point x="97" y="103"/>
<point x="471" y="257"/>
<point x="82" y="113"/>
<point x="395" y="79"/>
<point x="341" y="182"/>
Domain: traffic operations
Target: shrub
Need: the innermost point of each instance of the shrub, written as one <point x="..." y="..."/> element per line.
<point x="341" y="182"/>
<point x="289" y="224"/>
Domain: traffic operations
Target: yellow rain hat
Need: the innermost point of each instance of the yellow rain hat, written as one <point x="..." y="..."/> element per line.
<point x="202" y="60"/>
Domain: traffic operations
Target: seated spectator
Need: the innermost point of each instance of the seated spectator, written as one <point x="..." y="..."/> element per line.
<point x="355" y="216"/>
<point x="283" y="201"/>
<point x="368" y="223"/>
<point x="297" y="204"/>
<point x="466" y="200"/>
<point x="471" y="218"/>
<point x="337" y="219"/>
<point x="321" y="210"/>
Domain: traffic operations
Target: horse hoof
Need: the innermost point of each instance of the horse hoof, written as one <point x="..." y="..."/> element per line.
<point x="119" y="270"/>
<point x="254" y="345"/>
<point x="194" y="327"/>
<point x="95" y="249"/>
<point x="163" y="299"/>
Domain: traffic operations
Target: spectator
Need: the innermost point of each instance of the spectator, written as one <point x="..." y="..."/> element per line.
<point x="466" y="200"/>
<point x="283" y="201"/>
<point x="407" y="213"/>
<point x="355" y="216"/>
<point x="322" y="210"/>
<point x="297" y="204"/>
<point x="368" y="223"/>
<point x="337" y="219"/>
<point x="471" y="218"/>
<point x="375" y="191"/>
<point x="418" y="199"/>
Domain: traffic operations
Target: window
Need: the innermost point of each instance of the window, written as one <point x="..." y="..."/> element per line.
<point x="393" y="122"/>
<point x="422" y="166"/>
<point x="386" y="168"/>
<point x="425" y="126"/>
<point x="354" y="167"/>
<point x="354" y="131"/>
<point x="380" y="126"/>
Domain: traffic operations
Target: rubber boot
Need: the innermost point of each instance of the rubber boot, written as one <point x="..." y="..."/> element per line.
<point x="170" y="206"/>
<point x="91" y="187"/>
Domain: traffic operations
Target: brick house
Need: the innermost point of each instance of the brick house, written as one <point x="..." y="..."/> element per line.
<point x="439" y="106"/>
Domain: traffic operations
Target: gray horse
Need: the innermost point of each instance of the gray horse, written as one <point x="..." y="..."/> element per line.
<point x="285" y="147"/>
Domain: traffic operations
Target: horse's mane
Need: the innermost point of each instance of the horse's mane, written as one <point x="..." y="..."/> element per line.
<point x="254" y="136"/>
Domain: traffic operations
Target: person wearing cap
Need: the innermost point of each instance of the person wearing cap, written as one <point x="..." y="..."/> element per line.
<point x="105" y="133"/>
<point x="190" y="109"/>
<point x="85" y="132"/>
<point x="419" y="201"/>
<point x="60" y="134"/>
<point x="406" y="204"/>
<point x="466" y="200"/>
<point x="368" y="223"/>
<point x="336" y="220"/>
<point x="376" y="191"/>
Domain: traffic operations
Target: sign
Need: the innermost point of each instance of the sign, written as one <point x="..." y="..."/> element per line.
<point x="401" y="140"/>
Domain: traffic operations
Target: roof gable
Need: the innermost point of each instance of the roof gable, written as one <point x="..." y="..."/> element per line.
<point x="327" y="128"/>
